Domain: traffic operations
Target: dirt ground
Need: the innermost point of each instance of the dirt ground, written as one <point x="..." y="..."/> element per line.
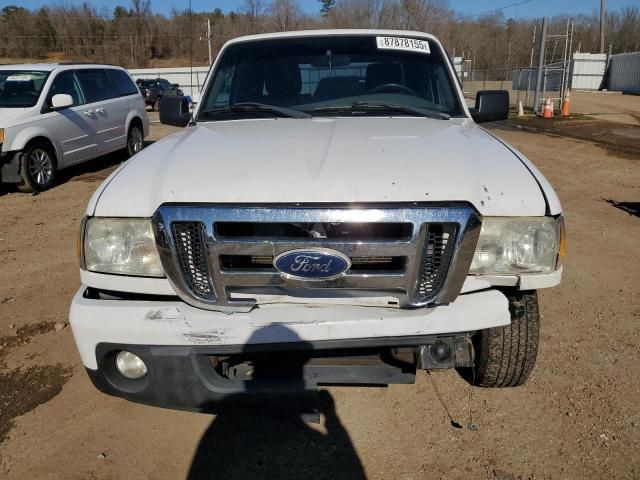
<point x="609" y="106"/>
<point x="578" y="417"/>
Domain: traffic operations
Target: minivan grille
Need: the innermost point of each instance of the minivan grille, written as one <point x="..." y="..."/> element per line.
<point x="217" y="252"/>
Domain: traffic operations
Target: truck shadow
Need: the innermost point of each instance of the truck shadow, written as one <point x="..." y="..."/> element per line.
<point x="262" y="433"/>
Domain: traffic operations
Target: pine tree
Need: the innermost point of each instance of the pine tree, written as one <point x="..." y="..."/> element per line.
<point x="326" y="7"/>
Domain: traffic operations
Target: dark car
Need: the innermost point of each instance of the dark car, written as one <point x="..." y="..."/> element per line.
<point x="153" y="89"/>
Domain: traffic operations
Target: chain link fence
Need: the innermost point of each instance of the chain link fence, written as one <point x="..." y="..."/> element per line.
<point x="519" y="82"/>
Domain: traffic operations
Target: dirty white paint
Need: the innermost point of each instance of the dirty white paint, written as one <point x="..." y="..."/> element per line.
<point x="174" y="323"/>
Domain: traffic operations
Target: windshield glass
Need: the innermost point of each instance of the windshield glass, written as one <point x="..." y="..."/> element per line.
<point x="331" y="75"/>
<point x="21" y="88"/>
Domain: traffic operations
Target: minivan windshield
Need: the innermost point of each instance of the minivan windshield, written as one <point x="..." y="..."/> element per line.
<point x="352" y="75"/>
<point x="21" y="88"/>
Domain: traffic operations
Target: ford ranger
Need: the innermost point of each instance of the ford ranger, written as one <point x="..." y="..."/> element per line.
<point x="331" y="214"/>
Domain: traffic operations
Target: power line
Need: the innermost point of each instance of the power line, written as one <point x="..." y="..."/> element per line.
<point x="499" y="8"/>
<point x="116" y="36"/>
<point x="105" y="19"/>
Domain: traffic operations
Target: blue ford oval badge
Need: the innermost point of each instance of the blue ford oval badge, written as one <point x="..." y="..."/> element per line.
<point x="312" y="264"/>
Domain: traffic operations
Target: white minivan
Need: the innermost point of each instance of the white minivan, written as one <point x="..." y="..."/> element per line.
<point x="53" y="116"/>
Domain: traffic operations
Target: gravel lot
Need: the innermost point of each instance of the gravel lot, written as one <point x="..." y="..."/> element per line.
<point x="578" y="417"/>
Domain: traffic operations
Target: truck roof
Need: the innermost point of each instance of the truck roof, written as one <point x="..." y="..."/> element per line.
<point x="332" y="32"/>
<point x="48" y="67"/>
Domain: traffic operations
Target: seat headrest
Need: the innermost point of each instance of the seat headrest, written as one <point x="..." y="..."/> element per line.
<point x="283" y="80"/>
<point x="16" y="88"/>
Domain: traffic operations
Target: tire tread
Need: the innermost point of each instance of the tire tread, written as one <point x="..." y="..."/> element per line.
<point x="505" y="356"/>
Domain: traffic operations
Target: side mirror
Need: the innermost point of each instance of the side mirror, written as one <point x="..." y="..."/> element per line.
<point x="174" y="111"/>
<point x="491" y="105"/>
<point x="176" y="85"/>
<point x="60" y="101"/>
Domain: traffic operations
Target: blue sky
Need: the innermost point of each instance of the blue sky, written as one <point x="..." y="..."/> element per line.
<point x="526" y="8"/>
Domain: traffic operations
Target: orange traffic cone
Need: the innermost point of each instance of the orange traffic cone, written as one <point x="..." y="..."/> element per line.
<point x="565" y="105"/>
<point x="548" y="109"/>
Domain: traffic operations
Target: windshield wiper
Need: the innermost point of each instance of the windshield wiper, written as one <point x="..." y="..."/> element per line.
<point x="258" y="107"/>
<point x="376" y="105"/>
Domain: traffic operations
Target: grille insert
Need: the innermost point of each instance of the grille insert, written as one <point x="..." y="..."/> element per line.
<point x="346" y="230"/>
<point x="358" y="264"/>
<point x="192" y="258"/>
<point x="436" y="258"/>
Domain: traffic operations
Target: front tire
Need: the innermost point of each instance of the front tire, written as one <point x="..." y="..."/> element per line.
<point x="135" y="139"/>
<point x="38" y="167"/>
<point x="505" y="356"/>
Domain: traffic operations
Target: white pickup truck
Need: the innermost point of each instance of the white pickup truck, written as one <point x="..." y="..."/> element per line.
<point x="331" y="214"/>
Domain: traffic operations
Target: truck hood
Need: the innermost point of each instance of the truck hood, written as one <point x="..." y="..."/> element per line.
<point x="324" y="160"/>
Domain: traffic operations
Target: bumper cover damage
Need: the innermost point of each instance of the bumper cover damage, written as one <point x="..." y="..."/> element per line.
<point x="275" y="355"/>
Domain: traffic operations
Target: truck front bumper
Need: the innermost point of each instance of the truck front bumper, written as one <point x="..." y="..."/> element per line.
<point x="181" y="345"/>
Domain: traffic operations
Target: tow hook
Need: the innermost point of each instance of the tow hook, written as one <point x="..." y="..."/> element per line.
<point x="446" y="352"/>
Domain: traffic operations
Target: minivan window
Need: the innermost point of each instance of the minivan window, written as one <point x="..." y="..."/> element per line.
<point x="21" y="88"/>
<point x="96" y="85"/>
<point x="65" y="83"/>
<point x="123" y="83"/>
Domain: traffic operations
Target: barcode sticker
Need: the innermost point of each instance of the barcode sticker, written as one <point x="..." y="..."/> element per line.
<point x="403" y="43"/>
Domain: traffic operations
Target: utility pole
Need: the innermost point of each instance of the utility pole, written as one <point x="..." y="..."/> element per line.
<point x="209" y="38"/>
<point x="543" y="40"/>
<point x="602" y="19"/>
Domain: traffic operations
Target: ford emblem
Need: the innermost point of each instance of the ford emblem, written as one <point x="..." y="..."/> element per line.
<point x="312" y="264"/>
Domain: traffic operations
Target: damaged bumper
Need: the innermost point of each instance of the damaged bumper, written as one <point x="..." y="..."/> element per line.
<point x="10" y="167"/>
<point x="198" y="359"/>
<point x="174" y="323"/>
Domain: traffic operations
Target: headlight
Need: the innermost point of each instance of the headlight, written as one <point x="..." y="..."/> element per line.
<point x="518" y="245"/>
<point x="124" y="246"/>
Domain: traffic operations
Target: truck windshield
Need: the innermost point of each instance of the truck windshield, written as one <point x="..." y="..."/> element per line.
<point x="21" y="88"/>
<point x="329" y="76"/>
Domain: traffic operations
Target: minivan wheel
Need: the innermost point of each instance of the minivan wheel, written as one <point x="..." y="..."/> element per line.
<point x="135" y="140"/>
<point x="37" y="168"/>
<point x="505" y="356"/>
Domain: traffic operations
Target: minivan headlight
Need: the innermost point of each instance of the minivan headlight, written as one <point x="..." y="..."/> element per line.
<point x="512" y="245"/>
<point x="124" y="246"/>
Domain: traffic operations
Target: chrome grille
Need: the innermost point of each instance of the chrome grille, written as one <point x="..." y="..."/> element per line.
<point x="423" y="264"/>
<point x="191" y="257"/>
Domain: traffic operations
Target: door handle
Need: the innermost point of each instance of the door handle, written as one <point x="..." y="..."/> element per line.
<point x="88" y="113"/>
<point x="99" y="110"/>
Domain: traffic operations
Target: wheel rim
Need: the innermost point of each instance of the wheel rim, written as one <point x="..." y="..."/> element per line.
<point x="135" y="140"/>
<point x="40" y="166"/>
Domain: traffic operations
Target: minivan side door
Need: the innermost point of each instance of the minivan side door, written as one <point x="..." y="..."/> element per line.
<point x="73" y="128"/>
<point x="111" y="111"/>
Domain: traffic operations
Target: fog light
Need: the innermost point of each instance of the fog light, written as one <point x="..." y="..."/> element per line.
<point x="130" y="365"/>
